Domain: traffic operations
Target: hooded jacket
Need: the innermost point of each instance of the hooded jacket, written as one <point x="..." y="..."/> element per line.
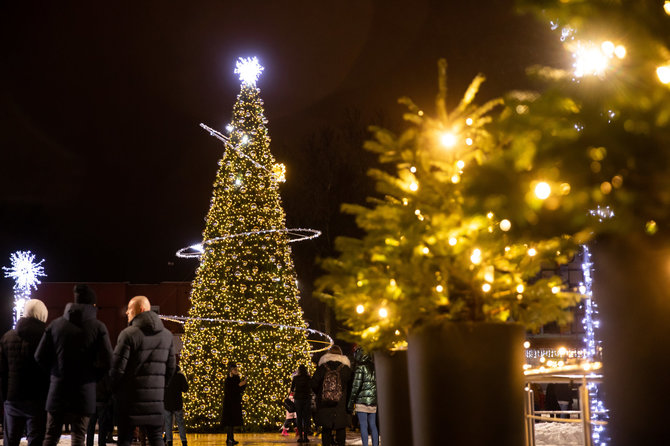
<point x="76" y="350"/>
<point x="142" y="366"/>
<point x="332" y="417"/>
<point x="364" y="384"/>
<point x="21" y="378"/>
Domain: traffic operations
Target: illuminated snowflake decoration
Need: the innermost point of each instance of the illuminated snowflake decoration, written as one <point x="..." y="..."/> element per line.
<point x="25" y="273"/>
<point x="24" y="270"/>
<point x="249" y="70"/>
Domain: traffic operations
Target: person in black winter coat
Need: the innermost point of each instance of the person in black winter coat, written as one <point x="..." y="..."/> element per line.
<point x="103" y="413"/>
<point x="332" y="415"/>
<point x="232" y="402"/>
<point x="23" y="383"/>
<point x="174" y="407"/>
<point x="76" y="350"/>
<point x="302" y="398"/>
<point x="143" y="364"/>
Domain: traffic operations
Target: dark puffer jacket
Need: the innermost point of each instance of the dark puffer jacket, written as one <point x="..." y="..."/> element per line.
<point x="176" y="386"/>
<point x="22" y="379"/>
<point x="76" y="350"/>
<point x="142" y="366"/>
<point x="364" y="385"/>
<point x="332" y="416"/>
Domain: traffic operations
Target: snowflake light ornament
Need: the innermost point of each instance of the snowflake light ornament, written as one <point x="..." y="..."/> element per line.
<point x="249" y="70"/>
<point x="25" y="273"/>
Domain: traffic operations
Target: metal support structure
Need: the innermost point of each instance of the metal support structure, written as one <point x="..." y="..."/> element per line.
<point x="529" y="425"/>
<point x="585" y="406"/>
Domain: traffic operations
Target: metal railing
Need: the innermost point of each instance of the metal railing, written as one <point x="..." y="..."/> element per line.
<point x="584" y="412"/>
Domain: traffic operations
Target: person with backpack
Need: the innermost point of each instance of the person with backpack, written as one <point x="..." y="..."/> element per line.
<point x="330" y="384"/>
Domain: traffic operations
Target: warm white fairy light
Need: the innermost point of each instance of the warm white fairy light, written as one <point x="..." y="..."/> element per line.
<point x="25" y="273"/>
<point x="249" y="70"/>
<point x="448" y="140"/>
<point x="663" y="74"/>
<point x="413" y="186"/>
<point x="505" y="225"/>
<point x="476" y="257"/>
<point x="666" y="7"/>
<point x="383" y="312"/>
<point x="590" y="60"/>
<point x="542" y="190"/>
<point x="360" y="309"/>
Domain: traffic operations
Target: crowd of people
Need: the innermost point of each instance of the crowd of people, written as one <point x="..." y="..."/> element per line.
<point x="66" y="374"/>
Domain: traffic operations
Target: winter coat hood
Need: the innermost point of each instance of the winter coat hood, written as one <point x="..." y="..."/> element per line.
<point x="328" y="357"/>
<point x="30" y="329"/>
<point x="78" y="313"/>
<point x="148" y="322"/>
<point x="361" y="356"/>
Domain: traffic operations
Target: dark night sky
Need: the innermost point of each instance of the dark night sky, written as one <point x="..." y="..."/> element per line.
<point x="104" y="171"/>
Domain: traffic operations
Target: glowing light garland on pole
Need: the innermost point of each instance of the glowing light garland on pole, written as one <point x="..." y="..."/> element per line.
<point x="25" y="273"/>
<point x="593" y="350"/>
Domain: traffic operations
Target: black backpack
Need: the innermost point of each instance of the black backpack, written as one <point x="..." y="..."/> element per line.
<point x="331" y="392"/>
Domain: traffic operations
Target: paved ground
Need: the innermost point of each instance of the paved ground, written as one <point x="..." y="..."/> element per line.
<point x="353" y="438"/>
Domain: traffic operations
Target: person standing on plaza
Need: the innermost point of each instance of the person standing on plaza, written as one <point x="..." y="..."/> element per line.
<point x="75" y="348"/>
<point x="363" y="398"/>
<point x="103" y="413"/>
<point x="174" y="407"/>
<point x="142" y="366"/>
<point x="330" y="383"/>
<point x="23" y="383"/>
<point x="302" y="395"/>
<point x="232" y="402"/>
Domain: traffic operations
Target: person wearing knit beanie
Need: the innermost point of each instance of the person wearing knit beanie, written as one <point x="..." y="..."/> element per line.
<point x="36" y="308"/>
<point x="83" y="294"/>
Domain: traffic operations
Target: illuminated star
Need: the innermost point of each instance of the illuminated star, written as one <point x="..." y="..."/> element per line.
<point x="249" y="70"/>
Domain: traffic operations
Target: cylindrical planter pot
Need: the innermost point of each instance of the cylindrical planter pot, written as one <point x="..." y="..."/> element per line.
<point x="466" y="384"/>
<point x="631" y="285"/>
<point x="395" y="423"/>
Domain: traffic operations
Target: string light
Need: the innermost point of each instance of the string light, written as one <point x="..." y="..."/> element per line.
<point x="448" y="140"/>
<point x="360" y="309"/>
<point x="663" y="74"/>
<point x="542" y="190"/>
<point x="505" y="225"/>
<point x="592" y="59"/>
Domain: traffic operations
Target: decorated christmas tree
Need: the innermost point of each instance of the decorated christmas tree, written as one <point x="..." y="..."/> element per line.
<point x="244" y="302"/>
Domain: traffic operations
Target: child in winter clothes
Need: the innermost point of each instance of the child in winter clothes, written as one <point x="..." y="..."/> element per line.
<point x="289" y="405"/>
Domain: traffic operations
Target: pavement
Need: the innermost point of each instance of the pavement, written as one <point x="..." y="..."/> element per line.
<point x="353" y="438"/>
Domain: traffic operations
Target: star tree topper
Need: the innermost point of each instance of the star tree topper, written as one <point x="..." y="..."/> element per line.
<point x="249" y="70"/>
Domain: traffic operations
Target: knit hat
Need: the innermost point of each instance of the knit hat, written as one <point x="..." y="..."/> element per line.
<point x="84" y="295"/>
<point x="35" y="308"/>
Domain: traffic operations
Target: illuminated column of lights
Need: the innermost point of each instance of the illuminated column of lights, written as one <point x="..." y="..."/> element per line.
<point x="592" y="344"/>
<point x="25" y="273"/>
